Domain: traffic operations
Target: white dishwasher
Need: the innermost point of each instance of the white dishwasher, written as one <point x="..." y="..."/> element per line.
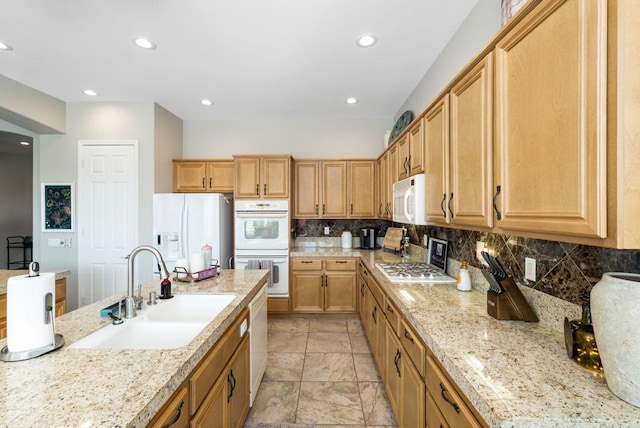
<point x="257" y="340"/>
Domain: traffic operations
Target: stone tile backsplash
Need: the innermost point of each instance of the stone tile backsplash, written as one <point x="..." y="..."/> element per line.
<point x="563" y="270"/>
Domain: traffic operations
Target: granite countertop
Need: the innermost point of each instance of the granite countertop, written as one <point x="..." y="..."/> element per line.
<point x="6" y="274"/>
<point x="516" y="374"/>
<point x="112" y="388"/>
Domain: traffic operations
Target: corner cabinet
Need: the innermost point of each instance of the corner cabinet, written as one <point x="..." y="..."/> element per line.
<point x="203" y="176"/>
<point x="551" y="125"/>
<point x="262" y="177"/>
<point x="436" y="136"/>
<point x="323" y="285"/>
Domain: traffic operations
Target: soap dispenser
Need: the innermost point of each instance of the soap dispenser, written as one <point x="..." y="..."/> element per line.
<point x="464" y="280"/>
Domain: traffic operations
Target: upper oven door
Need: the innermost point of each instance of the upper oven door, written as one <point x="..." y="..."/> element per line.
<point x="262" y="231"/>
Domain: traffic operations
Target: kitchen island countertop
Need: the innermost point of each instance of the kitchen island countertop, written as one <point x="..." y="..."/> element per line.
<point x="112" y="388"/>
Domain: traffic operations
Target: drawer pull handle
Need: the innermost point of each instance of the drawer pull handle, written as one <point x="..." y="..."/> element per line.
<point x="341" y="262"/>
<point x="306" y="262"/>
<point x="495" y="203"/>
<point x="177" y="417"/>
<point x="232" y="382"/>
<point x="408" y="336"/>
<point x="447" y="399"/>
<point x="389" y="309"/>
<point x="362" y="290"/>
<point x="396" y="360"/>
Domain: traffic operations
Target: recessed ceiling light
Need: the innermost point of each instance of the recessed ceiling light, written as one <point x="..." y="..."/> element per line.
<point x="90" y="92"/>
<point x="24" y="143"/>
<point x="206" y="102"/>
<point x="366" y="40"/>
<point x="144" y="43"/>
<point x="352" y="100"/>
<point x="5" y="47"/>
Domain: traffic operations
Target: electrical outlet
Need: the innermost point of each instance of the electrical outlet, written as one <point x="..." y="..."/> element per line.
<point x="425" y="240"/>
<point x="530" y="269"/>
<point x="67" y="243"/>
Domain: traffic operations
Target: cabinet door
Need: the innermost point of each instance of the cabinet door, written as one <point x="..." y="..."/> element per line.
<point x="383" y="186"/>
<point x="247" y="172"/>
<point x="416" y="148"/>
<point x="214" y="410"/>
<point x="551" y="124"/>
<point x="334" y="189"/>
<point x="176" y="413"/>
<point x="361" y="189"/>
<point x="436" y="135"/>
<point x="394" y="174"/>
<point x="393" y="355"/>
<point x="307" y="291"/>
<point x="189" y="176"/>
<point x="412" y="396"/>
<point x="239" y="377"/>
<point x="471" y="146"/>
<point x="220" y="176"/>
<point x="403" y="157"/>
<point x="363" y="303"/>
<point x="340" y="292"/>
<point x="275" y="178"/>
<point x="307" y="195"/>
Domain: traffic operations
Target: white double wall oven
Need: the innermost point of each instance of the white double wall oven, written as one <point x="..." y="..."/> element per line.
<point x="262" y="240"/>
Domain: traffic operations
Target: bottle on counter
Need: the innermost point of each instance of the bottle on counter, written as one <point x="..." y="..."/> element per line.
<point x="464" y="280"/>
<point x="347" y="239"/>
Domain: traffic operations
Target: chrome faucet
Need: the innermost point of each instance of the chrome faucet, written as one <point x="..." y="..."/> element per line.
<point x="132" y="301"/>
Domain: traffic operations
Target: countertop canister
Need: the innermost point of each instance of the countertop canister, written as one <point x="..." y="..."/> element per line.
<point x="615" y="314"/>
<point x="347" y="239"/>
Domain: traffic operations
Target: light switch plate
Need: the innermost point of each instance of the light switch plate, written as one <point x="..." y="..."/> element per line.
<point x="530" y="269"/>
<point x="55" y="243"/>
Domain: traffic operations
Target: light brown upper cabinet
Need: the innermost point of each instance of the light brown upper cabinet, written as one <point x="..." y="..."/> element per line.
<point x="551" y="121"/>
<point x="471" y="147"/>
<point x="203" y="176"/>
<point x="334" y="189"/>
<point x="436" y="136"/>
<point x="384" y="187"/>
<point x="411" y="151"/>
<point x="262" y="177"/>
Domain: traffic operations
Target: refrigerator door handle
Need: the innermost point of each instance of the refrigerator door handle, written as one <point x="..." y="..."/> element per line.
<point x="184" y="230"/>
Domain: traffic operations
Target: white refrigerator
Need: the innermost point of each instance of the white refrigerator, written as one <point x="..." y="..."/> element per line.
<point x="184" y="222"/>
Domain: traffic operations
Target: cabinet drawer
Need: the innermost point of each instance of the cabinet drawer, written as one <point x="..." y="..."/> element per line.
<point x="176" y="412"/>
<point x="393" y="315"/>
<point x="377" y="292"/>
<point x="306" y="264"/>
<point x="341" y="264"/>
<point x="413" y="345"/>
<point x="206" y="374"/>
<point x="447" y="400"/>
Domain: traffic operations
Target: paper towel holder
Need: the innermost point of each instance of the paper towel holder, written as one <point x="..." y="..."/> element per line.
<point x="6" y="355"/>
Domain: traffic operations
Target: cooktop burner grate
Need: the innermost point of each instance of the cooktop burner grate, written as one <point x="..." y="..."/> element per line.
<point x="414" y="273"/>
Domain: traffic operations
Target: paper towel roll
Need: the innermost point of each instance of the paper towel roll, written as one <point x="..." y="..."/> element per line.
<point x="27" y="328"/>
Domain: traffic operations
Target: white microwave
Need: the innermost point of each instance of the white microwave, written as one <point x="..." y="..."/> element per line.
<point x="409" y="200"/>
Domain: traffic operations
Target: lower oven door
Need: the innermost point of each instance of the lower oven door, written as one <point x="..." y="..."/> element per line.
<point x="278" y="283"/>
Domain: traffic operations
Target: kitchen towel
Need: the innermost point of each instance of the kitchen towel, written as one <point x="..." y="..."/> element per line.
<point x="29" y="324"/>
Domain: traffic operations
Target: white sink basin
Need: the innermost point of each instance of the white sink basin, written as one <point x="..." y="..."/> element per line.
<point x="170" y="324"/>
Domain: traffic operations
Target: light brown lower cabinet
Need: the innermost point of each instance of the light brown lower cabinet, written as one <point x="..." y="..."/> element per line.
<point x="452" y="407"/>
<point x="323" y="285"/>
<point x="216" y="394"/>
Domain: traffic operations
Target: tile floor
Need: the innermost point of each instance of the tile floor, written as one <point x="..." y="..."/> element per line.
<point x="321" y="371"/>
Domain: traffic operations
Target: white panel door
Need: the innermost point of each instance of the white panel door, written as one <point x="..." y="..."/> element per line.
<point x="107" y="217"/>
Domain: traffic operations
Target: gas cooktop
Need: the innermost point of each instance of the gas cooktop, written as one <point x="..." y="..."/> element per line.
<point x="414" y="273"/>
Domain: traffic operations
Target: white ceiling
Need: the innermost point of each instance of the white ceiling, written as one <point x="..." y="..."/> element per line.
<point x="252" y="58"/>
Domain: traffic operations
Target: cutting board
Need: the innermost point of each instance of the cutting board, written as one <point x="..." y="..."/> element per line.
<point x="393" y="238"/>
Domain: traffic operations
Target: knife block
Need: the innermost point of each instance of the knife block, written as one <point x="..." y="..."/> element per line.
<point x="509" y="304"/>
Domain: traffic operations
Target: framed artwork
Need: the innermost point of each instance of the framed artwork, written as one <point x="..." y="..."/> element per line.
<point x="57" y="207"/>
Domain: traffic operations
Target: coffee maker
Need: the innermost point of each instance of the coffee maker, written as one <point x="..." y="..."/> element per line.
<point x="368" y="238"/>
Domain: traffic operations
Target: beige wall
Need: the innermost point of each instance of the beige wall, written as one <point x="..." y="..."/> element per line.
<point x="302" y="138"/>
<point x="482" y="23"/>
<point x="30" y="108"/>
<point x="168" y="145"/>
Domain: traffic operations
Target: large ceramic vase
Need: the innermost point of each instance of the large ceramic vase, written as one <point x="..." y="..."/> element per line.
<point x="615" y="314"/>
